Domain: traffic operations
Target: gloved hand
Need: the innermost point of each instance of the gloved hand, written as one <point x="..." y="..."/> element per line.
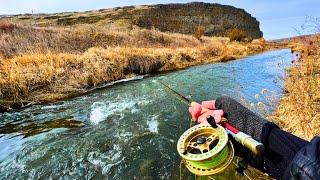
<point x="241" y="118"/>
<point x="200" y="113"/>
<point x="238" y="115"/>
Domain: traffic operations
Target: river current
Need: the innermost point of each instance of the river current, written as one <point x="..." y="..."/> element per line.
<point x="129" y="130"/>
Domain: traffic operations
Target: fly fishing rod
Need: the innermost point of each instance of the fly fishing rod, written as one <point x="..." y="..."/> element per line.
<point x="205" y="147"/>
<point x="256" y="147"/>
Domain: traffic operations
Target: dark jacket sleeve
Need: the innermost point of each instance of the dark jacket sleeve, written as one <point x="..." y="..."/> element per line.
<point x="306" y="163"/>
<point x="286" y="156"/>
<point x="280" y="149"/>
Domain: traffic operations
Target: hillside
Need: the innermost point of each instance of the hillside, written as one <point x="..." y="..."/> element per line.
<point x="42" y="56"/>
<point x="218" y="20"/>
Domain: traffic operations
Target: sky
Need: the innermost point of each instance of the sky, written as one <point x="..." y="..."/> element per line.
<point x="278" y="18"/>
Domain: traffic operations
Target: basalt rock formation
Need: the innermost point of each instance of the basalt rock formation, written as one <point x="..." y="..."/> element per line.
<point x="216" y="19"/>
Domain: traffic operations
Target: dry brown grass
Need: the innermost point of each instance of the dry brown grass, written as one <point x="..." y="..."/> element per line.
<point x="199" y="32"/>
<point x="299" y="109"/>
<point x="47" y="64"/>
<point x="237" y="35"/>
<point x="6" y="26"/>
<point x="23" y="40"/>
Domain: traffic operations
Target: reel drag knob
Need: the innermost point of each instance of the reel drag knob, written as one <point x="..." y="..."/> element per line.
<point x="201" y="140"/>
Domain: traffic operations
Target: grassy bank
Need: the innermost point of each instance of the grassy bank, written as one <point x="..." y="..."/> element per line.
<point x="299" y="108"/>
<point x="47" y="64"/>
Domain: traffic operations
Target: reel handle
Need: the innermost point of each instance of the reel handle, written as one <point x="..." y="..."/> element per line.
<point x="212" y="121"/>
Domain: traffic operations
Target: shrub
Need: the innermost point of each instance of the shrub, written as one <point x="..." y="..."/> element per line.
<point x="143" y="64"/>
<point x="199" y="32"/>
<point x="302" y="92"/>
<point x="262" y="40"/>
<point x="6" y="26"/>
<point x="249" y="39"/>
<point x="237" y="35"/>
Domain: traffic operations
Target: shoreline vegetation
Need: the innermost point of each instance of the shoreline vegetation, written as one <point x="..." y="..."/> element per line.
<point x="298" y="111"/>
<point x="46" y="64"/>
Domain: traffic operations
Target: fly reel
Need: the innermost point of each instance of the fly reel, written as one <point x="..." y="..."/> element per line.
<point x="205" y="150"/>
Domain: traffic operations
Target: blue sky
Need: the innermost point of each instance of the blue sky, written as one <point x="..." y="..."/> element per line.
<point x="278" y="18"/>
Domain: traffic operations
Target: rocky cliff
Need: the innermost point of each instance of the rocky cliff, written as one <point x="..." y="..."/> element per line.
<point x="218" y="20"/>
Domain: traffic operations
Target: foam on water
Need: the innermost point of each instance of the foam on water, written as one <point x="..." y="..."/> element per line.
<point x="121" y="81"/>
<point x="153" y="124"/>
<point x="100" y="111"/>
<point x="10" y="145"/>
<point x="124" y="136"/>
<point x="106" y="160"/>
<point x="52" y="106"/>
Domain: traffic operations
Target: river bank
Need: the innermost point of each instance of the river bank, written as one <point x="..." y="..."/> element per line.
<point x="40" y="65"/>
<point x="299" y="109"/>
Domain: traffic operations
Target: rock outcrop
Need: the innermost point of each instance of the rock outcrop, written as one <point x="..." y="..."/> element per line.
<point x="216" y="19"/>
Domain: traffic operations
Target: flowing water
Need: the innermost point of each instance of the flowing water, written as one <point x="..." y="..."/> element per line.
<point x="128" y="130"/>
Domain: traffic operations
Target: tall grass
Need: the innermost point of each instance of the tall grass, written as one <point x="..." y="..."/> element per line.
<point x="30" y="40"/>
<point x="237" y="35"/>
<point x="299" y="109"/>
<point x="47" y="64"/>
<point x="6" y="26"/>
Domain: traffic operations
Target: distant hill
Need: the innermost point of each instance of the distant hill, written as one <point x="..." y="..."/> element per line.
<point x="218" y="20"/>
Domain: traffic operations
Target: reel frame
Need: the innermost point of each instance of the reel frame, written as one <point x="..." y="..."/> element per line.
<point x="214" y="153"/>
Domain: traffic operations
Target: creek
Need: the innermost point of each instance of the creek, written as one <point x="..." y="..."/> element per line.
<point x="129" y="130"/>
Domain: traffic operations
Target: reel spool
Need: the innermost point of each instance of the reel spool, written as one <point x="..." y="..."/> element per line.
<point x="205" y="150"/>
